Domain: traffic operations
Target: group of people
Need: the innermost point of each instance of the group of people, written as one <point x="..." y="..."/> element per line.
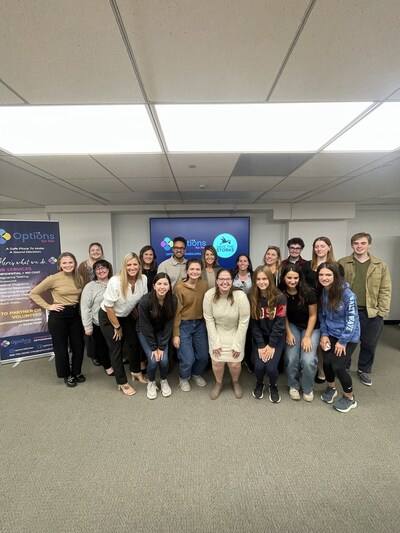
<point x="286" y="310"/>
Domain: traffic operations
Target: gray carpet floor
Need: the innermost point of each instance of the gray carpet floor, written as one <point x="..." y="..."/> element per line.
<point x="90" y="459"/>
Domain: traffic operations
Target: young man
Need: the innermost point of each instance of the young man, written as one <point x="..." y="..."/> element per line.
<point x="295" y="247"/>
<point x="369" y="279"/>
<point x="175" y="266"/>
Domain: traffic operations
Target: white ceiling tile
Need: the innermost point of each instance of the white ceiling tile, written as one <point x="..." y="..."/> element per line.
<point x="334" y="164"/>
<point x="205" y="164"/>
<point x="8" y="97"/>
<point x="68" y="53"/>
<point x="140" y="197"/>
<point x="99" y="186"/>
<point x="136" y="166"/>
<point x="252" y="183"/>
<point x="282" y="196"/>
<point x="238" y="45"/>
<point x="348" y="51"/>
<point x="199" y="184"/>
<point x="368" y="186"/>
<point x="302" y="184"/>
<point x="150" y="184"/>
<point x="68" y="166"/>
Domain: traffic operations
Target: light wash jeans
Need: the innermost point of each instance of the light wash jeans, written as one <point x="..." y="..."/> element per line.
<point x="300" y="363"/>
<point x="151" y="362"/>
<point x="193" y="350"/>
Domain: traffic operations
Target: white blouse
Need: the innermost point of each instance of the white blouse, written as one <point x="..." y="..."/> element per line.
<point x="114" y="298"/>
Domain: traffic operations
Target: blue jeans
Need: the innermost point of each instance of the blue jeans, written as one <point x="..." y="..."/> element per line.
<point x="193" y="349"/>
<point x="371" y="329"/>
<point x="151" y="362"/>
<point x="300" y="363"/>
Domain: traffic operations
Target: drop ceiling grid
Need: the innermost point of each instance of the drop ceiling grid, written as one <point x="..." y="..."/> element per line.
<point x="339" y="54"/>
<point x="76" y="54"/>
<point x="240" y="46"/>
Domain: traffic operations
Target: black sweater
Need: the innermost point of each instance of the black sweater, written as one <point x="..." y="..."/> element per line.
<point x="149" y="326"/>
<point x="269" y="329"/>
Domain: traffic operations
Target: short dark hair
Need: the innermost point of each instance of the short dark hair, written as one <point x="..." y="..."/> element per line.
<point x="295" y="240"/>
<point x="181" y="239"/>
<point x="103" y="263"/>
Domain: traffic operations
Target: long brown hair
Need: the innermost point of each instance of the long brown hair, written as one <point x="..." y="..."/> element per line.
<point x="214" y="252"/>
<point x="78" y="280"/>
<point x="166" y="310"/>
<point x="272" y="293"/>
<point x="335" y="293"/>
<point x="329" y="258"/>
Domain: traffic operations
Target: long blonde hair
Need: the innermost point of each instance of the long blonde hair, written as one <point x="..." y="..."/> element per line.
<point x="123" y="275"/>
<point x="78" y="280"/>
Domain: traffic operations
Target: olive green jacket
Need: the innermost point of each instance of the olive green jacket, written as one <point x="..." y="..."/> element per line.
<point x="378" y="284"/>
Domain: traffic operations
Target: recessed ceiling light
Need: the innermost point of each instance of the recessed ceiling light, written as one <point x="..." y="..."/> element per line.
<point x="379" y="130"/>
<point x="77" y="130"/>
<point x="254" y="127"/>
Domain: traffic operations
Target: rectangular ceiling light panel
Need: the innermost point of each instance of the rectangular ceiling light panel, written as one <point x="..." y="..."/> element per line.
<point x="254" y="127"/>
<point x="379" y="130"/>
<point x="39" y="130"/>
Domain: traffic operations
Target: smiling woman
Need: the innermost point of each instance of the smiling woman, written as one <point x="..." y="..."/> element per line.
<point x="64" y="320"/>
<point x="117" y="323"/>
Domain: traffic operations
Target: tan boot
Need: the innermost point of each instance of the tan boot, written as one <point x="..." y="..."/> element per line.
<point x="216" y="391"/>
<point x="237" y="389"/>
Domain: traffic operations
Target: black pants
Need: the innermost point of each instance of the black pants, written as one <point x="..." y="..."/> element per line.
<point x="116" y="347"/>
<point x="66" y="326"/>
<point x="101" y="351"/>
<point x="337" y="366"/>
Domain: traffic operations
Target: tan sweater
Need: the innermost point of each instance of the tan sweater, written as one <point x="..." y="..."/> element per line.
<point x="62" y="288"/>
<point x="190" y="302"/>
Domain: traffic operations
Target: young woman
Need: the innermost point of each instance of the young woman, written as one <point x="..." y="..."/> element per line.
<point x="64" y="322"/>
<point x="92" y="296"/>
<point x="268" y="324"/>
<point x="154" y="326"/>
<point x="117" y="324"/>
<point x="209" y="260"/>
<point x="322" y="252"/>
<point x="189" y="334"/>
<point x="227" y="314"/>
<point x="147" y="256"/>
<point x="242" y="274"/>
<point x="302" y="333"/>
<point x="85" y="269"/>
<point x="272" y="258"/>
<point x="340" y="333"/>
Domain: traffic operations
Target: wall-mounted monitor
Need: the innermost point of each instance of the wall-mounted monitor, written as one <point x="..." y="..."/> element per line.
<point x="229" y="236"/>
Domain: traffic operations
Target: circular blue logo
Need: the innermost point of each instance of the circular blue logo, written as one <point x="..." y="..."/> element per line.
<point x="225" y="244"/>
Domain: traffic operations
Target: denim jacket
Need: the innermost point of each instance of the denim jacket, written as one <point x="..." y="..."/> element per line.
<point x="342" y="323"/>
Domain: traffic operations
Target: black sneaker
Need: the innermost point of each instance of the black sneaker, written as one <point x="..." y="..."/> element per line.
<point x="258" y="391"/>
<point x="80" y="378"/>
<point x="70" y="381"/>
<point x="274" y="395"/>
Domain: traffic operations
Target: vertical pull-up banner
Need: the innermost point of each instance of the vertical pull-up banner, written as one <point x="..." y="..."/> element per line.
<point x="28" y="254"/>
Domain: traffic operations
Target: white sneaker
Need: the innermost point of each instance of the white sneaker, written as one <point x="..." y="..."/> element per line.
<point x="184" y="385"/>
<point x="199" y="380"/>
<point x="152" y="390"/>
<point x="294" y="393"/>
<point x="165" y="388"/>
<point x="308" y="397"/>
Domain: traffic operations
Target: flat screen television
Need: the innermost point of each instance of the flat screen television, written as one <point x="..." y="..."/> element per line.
<point x="229" y="236"/>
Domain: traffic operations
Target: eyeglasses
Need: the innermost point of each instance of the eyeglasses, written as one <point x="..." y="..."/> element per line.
<point x="179" y="247"/>
<point x="225" y="280"/>
<point x="295" y="248"/>
<point x="101" y="268"/>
